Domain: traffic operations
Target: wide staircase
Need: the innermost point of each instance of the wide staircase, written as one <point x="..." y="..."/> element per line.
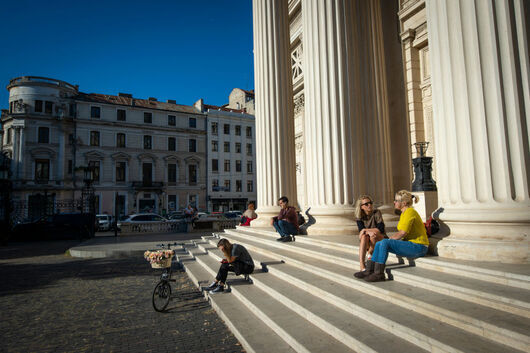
<point x="303" y="297"/>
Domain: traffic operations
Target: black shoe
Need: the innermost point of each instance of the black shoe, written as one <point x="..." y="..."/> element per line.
<point x="218" y="289"/>
<point x="279" y="239"/>
<point x="212" y="285"/>
<point x="293" y="238"/>
<point x="286" y="239"/>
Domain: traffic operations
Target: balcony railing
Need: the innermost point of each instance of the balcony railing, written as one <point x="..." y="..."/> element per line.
<point x="147" y="184"/>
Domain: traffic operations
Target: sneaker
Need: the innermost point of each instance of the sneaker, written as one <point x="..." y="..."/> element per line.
<point x="212" y="285"/>
<point x="218" y="289"/>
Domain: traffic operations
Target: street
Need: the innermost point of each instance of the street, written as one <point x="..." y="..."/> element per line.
<point x="51" y="302"/>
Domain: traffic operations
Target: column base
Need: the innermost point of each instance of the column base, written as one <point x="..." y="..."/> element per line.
<point x="491" y="242"/>
<point x="331" y="221"/>
<point x="264" y="216"/>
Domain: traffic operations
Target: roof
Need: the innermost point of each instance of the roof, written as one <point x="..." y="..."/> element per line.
<point x="224" y="108"/>
<point x="135" y="102"/>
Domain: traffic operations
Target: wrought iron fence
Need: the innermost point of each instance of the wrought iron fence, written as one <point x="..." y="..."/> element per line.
<point x="39" y="206"/>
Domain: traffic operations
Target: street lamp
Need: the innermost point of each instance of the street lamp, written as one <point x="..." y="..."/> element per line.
<point x="422" y="169"/>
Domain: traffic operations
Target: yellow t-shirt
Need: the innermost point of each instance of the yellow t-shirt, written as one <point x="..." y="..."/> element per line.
<point x="410" y="222"/>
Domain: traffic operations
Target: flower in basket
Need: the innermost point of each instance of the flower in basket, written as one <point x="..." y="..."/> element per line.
<point x="157" y="256"/>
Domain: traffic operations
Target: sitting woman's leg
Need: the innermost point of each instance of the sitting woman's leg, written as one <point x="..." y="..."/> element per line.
<point x="408" y="249"/>
<point x="375" y="236"/>
<point x="223" y="273"/>
<point x="363" y="246"/>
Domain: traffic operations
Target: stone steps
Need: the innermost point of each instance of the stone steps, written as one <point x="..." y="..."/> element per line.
<point x="492" y="294"/>
<point x="311" y="280"/>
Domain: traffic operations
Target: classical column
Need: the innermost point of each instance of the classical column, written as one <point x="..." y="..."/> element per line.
<point x="481" y="101"/>
<point x="21" y="153"/>
<point x="275" y="152"/>
<point x="346" y="111"/>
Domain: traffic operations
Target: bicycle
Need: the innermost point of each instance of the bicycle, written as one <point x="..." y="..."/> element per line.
<point x="162" y="291"/>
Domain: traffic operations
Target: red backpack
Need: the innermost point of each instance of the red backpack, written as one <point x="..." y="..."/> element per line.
<point x="431" y="226"/>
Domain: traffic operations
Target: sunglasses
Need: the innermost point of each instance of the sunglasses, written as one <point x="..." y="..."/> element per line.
<point x="367" y="203"/>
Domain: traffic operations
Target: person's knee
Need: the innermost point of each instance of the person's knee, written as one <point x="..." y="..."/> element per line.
<point x="382" y="244"/>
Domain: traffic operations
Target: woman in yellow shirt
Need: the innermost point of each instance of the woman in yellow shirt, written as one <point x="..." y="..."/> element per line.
<point x="410" y="240"/>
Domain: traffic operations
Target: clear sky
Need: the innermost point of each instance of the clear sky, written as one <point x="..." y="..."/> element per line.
<point x="173" y="49"/>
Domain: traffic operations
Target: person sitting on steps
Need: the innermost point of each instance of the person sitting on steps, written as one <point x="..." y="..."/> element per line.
<point x="249" y="215"/>
<point x="237" y="259"/>
<point x="371" y="230"/>
<point x="286" y="223"/>
<point x="410" y="240"/>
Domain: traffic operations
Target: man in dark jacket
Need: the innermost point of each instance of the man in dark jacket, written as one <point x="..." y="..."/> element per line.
<point x="286" y="223"/>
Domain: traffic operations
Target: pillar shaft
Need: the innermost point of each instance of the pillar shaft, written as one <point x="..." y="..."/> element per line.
<point x="481" y="103"/>
<point x="346" y="111"/>
<point x="275" y="151"/>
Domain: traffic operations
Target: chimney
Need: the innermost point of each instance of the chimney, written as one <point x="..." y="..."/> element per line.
<point x="152" y="99"/>
<point x="172" y="101"/>
<point x="126" y="95"/>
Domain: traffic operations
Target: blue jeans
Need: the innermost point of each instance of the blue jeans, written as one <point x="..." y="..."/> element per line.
<point x="398" y="247"/>
<point x="285" y="228"/>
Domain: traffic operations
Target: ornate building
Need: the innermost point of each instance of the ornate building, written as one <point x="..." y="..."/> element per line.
<point x="342" y="94"/>
<point x="146" y="155"/>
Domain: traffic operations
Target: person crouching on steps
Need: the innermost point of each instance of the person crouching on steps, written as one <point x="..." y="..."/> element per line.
<point x="237" y="259"/>
<point x="371" y="230"/>
<point x="410" y="240"/>
<point x="286" y="223"/>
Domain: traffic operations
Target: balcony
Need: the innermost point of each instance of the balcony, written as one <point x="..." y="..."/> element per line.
<point x="147" y="185"/>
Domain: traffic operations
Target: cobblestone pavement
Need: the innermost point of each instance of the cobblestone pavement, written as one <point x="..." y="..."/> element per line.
<point x="51" y="302"/>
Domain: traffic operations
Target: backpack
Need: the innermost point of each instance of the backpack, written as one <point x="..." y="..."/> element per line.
<point x="431" y="226"/>
<point x="301" y="219"/>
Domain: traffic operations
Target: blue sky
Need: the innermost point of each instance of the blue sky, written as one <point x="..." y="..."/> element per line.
<point x="182" y="50"/>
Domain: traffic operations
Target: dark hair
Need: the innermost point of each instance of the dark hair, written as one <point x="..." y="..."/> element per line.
<point x="284" y="199"/>
<point x="227" y="247"/>
<point x="252" y="203"/>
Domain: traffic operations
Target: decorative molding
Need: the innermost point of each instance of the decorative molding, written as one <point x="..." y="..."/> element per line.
<point x="94" y="155"/>
<point x="299" y="103"/>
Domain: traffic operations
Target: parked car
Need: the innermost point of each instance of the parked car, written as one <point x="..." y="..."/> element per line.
<point x="143" y="218"/>
<point x="176" y="215"/>
<point x="233" y="214"/>
<point x="57" y="226"/>
<point x="104" y="222"/>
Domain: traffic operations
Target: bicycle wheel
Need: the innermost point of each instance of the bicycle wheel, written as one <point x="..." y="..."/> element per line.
<point x="161" y="295"/>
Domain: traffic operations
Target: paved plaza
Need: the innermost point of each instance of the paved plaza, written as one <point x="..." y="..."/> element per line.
<point x="52" y="302"/>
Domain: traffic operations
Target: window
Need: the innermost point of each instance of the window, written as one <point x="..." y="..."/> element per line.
<point x="227" y="185"/>
<point x="249" y="167"/>
<point x="70" y="166"/>
<point x="48" y="107"/>
<point x="238" y="130"/>
<point x="238" y="147"/>
<point x="250" y="186"/>
<point x="95" y="170"/>
<point x="215" y="165"/>
<point x="192" y="145"/>
<point x="94" y="138"/>
<point x="214" y="129"/>
<point x="249" y="149"/>
<point x="249" y="131"/>
<point x="227" y="129"/>
<point x="227" y="165"/>
<point x="192" y="172"/>
<point x="215" y="184"/>
<point x="192" y="123"/>
<point x="71" y="139"/>
<point x="72" y="110"/>
<point x="121" y="115"/>
<point x="239" y="185"/>
<point x="42" y="170"/>
<point x="171" y="120"/>
<point x="120" y="140"/>
<point x="172" y="202"/>
<point x="148" y="118"/>
<point x="120" y="171"/>
<point x="95" y="112"/>
<point x="215" y="146"/>
<point x="172" y="173"/>
<point x="148" y="142"/>
<point x="38" y="106"/>
<point x="44" y="135"/>
<point x="171" y="144"/>
<point x="238" y="166"/>
<point x="147" y="173"/>
<point x="227" y="147"/>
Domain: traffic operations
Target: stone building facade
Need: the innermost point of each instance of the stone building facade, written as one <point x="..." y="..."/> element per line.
<point x="147" y="155"/>
<point x="231" y="155"/>
<point x="377" y="76"/>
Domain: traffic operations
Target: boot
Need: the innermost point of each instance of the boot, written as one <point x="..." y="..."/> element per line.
<point x="368" y="271"/>
<point x="378" y="275"/>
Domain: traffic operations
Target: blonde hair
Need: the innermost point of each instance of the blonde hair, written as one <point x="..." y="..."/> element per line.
<point x="358" y="212"/>
<point x="406" y="197"/>
<point x="227" y="247"/>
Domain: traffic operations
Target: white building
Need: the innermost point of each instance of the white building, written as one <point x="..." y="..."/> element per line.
<point x="231" y="155"/>
<point x="149" y="155"/>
